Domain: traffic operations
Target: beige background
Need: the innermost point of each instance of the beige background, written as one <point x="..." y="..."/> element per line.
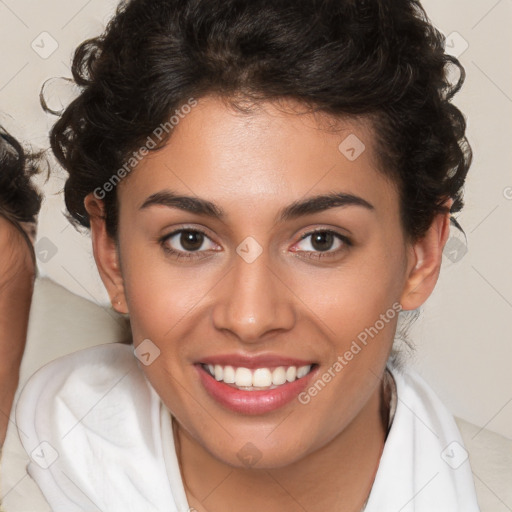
<point x="463" y="336"/>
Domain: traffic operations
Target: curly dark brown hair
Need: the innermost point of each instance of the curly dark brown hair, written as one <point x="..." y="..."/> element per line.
<point x="364" y="58"/>
<point x="20" y="201"/>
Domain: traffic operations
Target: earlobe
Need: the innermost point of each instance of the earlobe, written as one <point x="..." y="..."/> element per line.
<point x="425" y="263"/>
<point x="106" y="254"/>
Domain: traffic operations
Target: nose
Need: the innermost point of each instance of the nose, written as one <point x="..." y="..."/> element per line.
<point x="253" y="301"/>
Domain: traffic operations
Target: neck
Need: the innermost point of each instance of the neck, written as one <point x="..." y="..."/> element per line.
<point x="338" y="476"/>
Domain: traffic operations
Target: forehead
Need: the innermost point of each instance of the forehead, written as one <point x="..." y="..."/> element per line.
<point x="274" y="153"/>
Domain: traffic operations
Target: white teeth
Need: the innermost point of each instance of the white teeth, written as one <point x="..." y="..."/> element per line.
<point x="243" y="377"/>
<point x="291" y="374"/>
<point x="279" y="376"/>
<point x="262" y="378"/>
<point x="229" y="375"/>
<point x="302" y="371"/>
<point x="258" y="378"/>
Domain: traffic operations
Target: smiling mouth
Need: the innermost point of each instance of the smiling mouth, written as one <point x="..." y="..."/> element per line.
<point x="257" y="379"/>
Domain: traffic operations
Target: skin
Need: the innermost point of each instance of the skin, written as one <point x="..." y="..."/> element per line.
<point x="319" y="456"/>
<point x="17" y="272"/>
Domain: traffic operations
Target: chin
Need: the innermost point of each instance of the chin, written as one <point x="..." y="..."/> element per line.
<point x="257" y="449"/>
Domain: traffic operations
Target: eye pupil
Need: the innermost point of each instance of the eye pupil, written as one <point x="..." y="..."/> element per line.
<point x="191" y="240"/>
<point x="322" y="241"/>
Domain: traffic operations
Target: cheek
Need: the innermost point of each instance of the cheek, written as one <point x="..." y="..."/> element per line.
<point x="354" y="296"/>
<point x="160" y="295"/>
<point x="357" y="310"/>
<point x="162" y="298"/>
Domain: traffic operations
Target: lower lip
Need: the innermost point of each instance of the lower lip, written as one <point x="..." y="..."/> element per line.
<point x="252" y="402"/>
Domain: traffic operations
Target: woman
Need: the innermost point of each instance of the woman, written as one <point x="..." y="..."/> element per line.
<point x="268" y="185"/>
<point x="19" y="206"/>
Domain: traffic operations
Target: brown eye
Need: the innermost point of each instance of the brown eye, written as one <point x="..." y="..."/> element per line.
<point x="185" y="241"/>
<point x="322" y="241"/>
<point x="191" y="240"/>
<point x="322" y="244"/>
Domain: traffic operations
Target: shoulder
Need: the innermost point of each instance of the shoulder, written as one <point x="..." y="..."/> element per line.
<point x="83" y="415"/>
<point x="424" y="465"/>
<point x="82" y="387"/>
<point x="85" y="373"/>
<point x="76" y="390"/>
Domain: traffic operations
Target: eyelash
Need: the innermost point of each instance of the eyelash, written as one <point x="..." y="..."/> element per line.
<point x="180" y="255"/>
<point x="189" y="255"/>
<point x="319" y="255"/>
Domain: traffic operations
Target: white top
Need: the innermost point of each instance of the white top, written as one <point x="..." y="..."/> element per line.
<point x="99" y="438"/>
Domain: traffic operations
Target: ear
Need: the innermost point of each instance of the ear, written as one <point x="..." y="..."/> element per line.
<point x="425" y="262"/>
<point x="106" y="254"/>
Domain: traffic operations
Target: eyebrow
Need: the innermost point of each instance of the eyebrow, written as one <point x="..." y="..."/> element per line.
<point x="296" y="209"/>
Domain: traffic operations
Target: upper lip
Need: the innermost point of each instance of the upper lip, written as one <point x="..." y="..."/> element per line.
<point x="254" y="361"/>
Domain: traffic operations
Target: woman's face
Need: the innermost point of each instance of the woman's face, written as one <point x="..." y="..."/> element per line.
<point x="223" y="271"/>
